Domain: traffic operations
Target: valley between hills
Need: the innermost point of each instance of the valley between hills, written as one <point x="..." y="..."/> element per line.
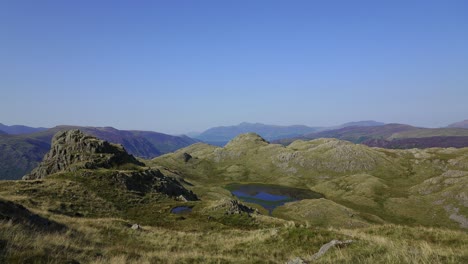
<point x="90" y="201"/>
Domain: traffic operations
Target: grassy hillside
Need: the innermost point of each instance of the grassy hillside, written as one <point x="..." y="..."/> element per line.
<point x="397" y="206"/>
<point x="19" y="155"/>
<point x="377" y="182"/>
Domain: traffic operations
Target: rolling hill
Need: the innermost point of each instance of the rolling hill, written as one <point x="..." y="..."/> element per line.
<point x="384" y="185"/>
<point x="19" y="129"/>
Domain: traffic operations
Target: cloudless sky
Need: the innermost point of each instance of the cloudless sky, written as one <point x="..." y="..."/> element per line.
<point x="177" y="66"/>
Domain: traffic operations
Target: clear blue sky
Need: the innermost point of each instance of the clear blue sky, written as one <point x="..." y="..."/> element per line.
<point x="178" y="66"/>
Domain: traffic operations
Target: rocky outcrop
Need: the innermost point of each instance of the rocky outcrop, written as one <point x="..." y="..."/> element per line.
<point x="233" y="207"/>
<point x="148" y="181"/>
<point x="72" y="150"/>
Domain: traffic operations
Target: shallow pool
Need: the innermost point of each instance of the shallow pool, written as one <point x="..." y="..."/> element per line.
<point x="270" y="196"/>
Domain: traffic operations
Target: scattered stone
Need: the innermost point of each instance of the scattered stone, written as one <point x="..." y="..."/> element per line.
<point x="296" y="261"/>
<point x="329" y="245"/>
<point x="136" y="227"/>
<point x="321" y="252"/>
<point x="181" y="198"/>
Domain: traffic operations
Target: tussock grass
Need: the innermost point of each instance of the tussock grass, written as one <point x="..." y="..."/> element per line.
<point x="110" y="240"/>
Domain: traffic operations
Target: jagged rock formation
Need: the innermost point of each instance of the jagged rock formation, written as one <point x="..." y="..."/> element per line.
<point x="72" y="150"/>
<point x="153" y="181"/>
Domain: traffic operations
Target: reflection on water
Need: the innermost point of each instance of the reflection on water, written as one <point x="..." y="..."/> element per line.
<point x="270" y="196"/>
<point x="181" y="210"/>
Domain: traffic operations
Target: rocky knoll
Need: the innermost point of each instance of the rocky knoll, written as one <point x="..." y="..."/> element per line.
<point x="72" y="150"/>
<point x="153" y="181"/>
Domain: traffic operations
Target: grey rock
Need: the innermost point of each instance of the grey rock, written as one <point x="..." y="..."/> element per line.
<point x="151" y="180"/>
<point x="329" y="245"/>
<point x="234" y="207"/>
<point x="72" y="150"/>
<point x="296" y="261"/>
<point x="136" y="227"/>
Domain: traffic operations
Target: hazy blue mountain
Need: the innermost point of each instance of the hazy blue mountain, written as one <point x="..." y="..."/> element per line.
<point x="461" y="124"/>
<point x="393" y="136"/>
<point x="192" y="134"/>
<point x="19" y="129"/>
<point x="222" y="134"/>
<point x="366" y="123"/>
<point x="19" y="154"/>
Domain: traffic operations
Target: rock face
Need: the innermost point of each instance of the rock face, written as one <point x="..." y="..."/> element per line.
<point x="234" y="207"/>
<point x="72" y="150"/>
<point x="148" y="181"/>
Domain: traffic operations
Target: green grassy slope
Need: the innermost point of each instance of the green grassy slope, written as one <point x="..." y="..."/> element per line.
<point x="377" y="182"/>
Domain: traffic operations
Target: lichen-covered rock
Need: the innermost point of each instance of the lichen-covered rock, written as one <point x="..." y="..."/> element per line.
<point x="72" y="150"/>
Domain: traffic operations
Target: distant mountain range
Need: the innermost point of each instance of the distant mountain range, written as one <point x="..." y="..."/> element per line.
<point x="21" y="153"/>
<point x="219" y="136"/>
<point x="21" y="150"/>
<point x="393" y="136"/>
<point x="18" y="129"/>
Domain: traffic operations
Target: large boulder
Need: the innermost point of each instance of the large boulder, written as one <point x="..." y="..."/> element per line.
<point x="73" y="150"/>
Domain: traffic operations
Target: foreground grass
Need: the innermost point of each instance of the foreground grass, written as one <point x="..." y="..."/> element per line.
<point x="108" y="240"/>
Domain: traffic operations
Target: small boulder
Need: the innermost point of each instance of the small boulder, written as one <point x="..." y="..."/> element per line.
<point x="187" y="157"/>
<point x="136" y="227"/>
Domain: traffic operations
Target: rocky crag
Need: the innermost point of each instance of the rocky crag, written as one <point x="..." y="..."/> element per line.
<point x="73" y="150"/>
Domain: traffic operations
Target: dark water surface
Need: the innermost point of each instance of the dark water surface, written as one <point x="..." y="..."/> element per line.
<point x="270" y="196"/>
<point x="181" y="210"/>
